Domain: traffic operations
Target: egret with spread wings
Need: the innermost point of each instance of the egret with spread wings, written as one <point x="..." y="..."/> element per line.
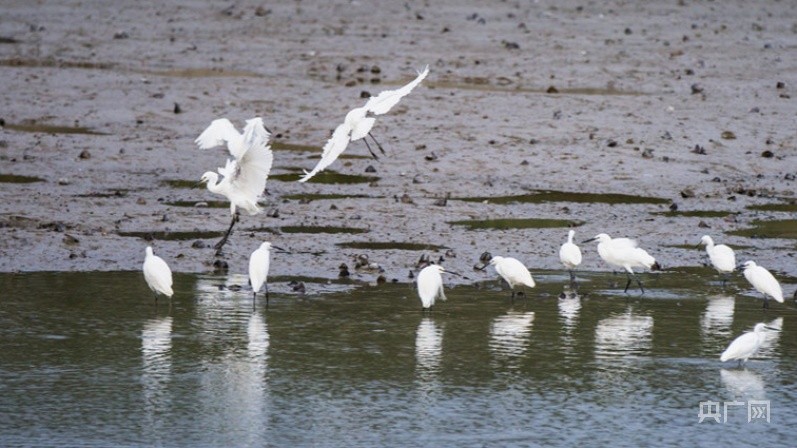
<point x="243" y="177"/>
<point x="358" y="123"/>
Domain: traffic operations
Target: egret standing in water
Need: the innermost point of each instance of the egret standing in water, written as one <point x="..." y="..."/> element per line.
<point x="258" y="270"/>
<point x="570" y="255"/>
<point x="430" y="285"/>
<point x="358" y="123"/>
<point x="624" y="253"/>
<point x="244" y="177"/>
<point x="746" y="345"/>
<point x="513" y="272"/>
<point x="721" y="257"/>
<point x="157" y="274"/>
<point x="763" y="281"/>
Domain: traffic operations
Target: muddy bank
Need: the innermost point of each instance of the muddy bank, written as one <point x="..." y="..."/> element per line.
<point x="661" y="122"/>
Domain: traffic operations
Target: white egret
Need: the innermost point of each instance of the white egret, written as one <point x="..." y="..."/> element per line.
<point x="570" y="255"/>
<point x="721" y="256"/>
<point x="358" y="123"/>
<point x="763" y="281"/>
<point x="430" y="285"/>
<point x="624" y="253"/>
<point x="746" y="345"/>
<point x="513" y="272"/>
<point x="258" y="270"/>
<point x="157" y="274"/>
<point x="244" y="177"/>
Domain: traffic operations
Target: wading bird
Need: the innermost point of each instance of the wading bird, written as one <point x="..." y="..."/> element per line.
<point x="258" y="270"/>
<point x="746" y="345"/>
<point x="624" y="253"/>
<point x="157" y="274"/>
<point x="244" y="177"/>
<point x="721" y="256"/>
<point x="513" y="272"/>
<point x="570" y="255"/>
<point x="358" y="123"/>
<point x="430" y="285"/>
<point x="763" y="281"/>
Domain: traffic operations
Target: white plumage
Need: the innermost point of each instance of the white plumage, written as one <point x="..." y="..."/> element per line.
<point x="570" y="254"/>
<point x="358" y="123"/>
<point x="258" y="268"/>
<point x="626" y="254"/>
<point x="244" y="176"/>
<point x="721" y="256"/>
<point x="430" y="285"/>
<point x="512" y="271"/>
<point x="745" y="345"/>
<point x="763" y="281"/>
<point x="157" y="274"/>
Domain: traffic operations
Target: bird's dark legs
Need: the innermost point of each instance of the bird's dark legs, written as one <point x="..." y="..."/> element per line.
<point x="254" y="300"/>
<point x="266" y="286"/>
<point x="638" y="282"/>
<point x="377" y="143"/>
<point x="766" y="302"/>
<point x="223" y="240"/>
<point x="370" y="150"/>
<point x="724" y="280"/>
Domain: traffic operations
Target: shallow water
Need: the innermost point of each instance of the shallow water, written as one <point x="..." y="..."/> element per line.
<point x="89" y="360"/>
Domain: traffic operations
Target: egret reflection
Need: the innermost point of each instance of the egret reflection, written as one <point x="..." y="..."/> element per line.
<point x="769" y="347"/>
<point x="509" y="334"/>
<point x="623" y="335"/>
<point x="716" y="321"/>
<point x="743" y="384"/>
<point x="156" y="357"/>
<point x="428" y="348"/>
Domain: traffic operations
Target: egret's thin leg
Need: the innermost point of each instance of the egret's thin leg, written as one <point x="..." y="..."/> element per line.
<point x="266" y="286"/>
<point x="370" y="150"/>
<point x="639" y="282"/>
<point x="254" y="300"/>
<point x="766" y="302"/>
<point x="223" y="240"/>
<point x="628" y="283"/>
<point x="378" y="145"/>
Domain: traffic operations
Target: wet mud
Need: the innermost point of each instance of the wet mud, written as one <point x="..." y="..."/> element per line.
<point x="661" y="121"/>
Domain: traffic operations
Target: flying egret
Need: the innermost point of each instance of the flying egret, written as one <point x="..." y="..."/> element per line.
<point x="721" y="256"/>
<point x="746" y="345"/>
<point x="358" y="123"/>
<point x="244" y="177"/>
<point x="763" y="281"/>
<point x="430" y="285"/>
<point x="570" y="255"/>
<point x="513" y="272"/>
<point x="624" y="253"/>
<point x="157" y="274"/>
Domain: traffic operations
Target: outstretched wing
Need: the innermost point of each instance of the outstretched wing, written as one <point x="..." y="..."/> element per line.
<point x="385" y="101"/>
<point x="255" y="162"/>
<point x="218" y="133"/>
<point x="333" y="148"/>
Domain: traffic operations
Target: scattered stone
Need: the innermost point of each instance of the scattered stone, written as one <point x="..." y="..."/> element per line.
<point x="627" y="31"/>
<point x="703" y="225"/>
<point x="551" y="89"/>
<point x="611" y="143"/>
<point x="85" y="154"/>
<point x="510" y="45"/>
<point x="343" y="270"/>
<point x="647" y="153"/>
<point x="70" y="240"/>
<point x="699" y="150"/>
<point x="673" y="207"/>
<point x="220" y="267"/>
<point x="273" y="213"/>
<point x="780" y="85"/>
<point x="198" y="244"/>
<point x="687" y="193"/>
<point x="767" y="154"/>
<point x="297" y="287"/>
<point x="165" y="218"/>
<point x="442" y="202"/>
<point x="728" y="135"/>
<point x="141" y="201"/>
<point x="406" y="199"/>
<point x="260" y="11"/>
<point x="64" y="181"/>
<point x="431" y="157"/>
<point x="524" y="162"/>
<point x="381" y="280"/>
<point x="121" y="35"/>
<point x="370" y="169"/>
<point x="696" y="89"/>
<point x="177" y="108"/>
<point x="790" y="176"/>
<point x="365" y="94"/>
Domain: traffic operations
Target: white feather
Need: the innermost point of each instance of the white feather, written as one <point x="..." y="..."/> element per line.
<point x="157" y="274"/>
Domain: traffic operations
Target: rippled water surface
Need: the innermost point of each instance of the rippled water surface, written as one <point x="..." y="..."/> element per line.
<point x="87" y="359"/>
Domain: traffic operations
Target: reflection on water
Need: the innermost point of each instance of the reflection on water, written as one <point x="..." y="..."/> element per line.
<point x="89" y="361"/>
<point x="156" y="347"/>
<point x="769" y="348"/>
<point x="716" y="321"/>
<point x="509" y="334"/>
<point x="743" y="384"/>
<point x="623" y="335"/>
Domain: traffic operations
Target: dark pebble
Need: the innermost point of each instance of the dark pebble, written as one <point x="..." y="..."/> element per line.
<point x="780" y="85"/>
<point x="370" y="169"/>
<point x="431" y="157"/>
<point x="552" y="89"/>
<point x="703" y="225"/>
<point x="611" y="144"/>
<point x="767" y="154"/>
<point x="177" y="108"/>
<point x="696" y="88"/>
<point x="687" y="193"/>
<point x="728" y="135"/>
<point x="199" y="244"/>
<point x="71" y="240"/>
<point x="365" y="94"/>
<point x="85" y="154"/>
<point x="220" y="266"/>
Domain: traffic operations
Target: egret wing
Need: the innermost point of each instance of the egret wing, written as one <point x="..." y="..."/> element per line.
<point x="255" y="162"/>
<point x="385" y="101"/>
<point x="333" y="148"/>
<point x="218" y="133"/>
<point x="626" y="243"/>
<point x="741" y="347"/>
<point x="158" y="275"/>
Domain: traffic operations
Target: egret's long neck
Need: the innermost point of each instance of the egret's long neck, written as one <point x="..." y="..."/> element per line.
<point x="214" y="186"/>
<point x="570" y="238"/>
<point x="709" y="244"/>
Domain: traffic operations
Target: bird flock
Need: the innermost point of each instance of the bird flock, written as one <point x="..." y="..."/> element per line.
<point x="243" y="178"/>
